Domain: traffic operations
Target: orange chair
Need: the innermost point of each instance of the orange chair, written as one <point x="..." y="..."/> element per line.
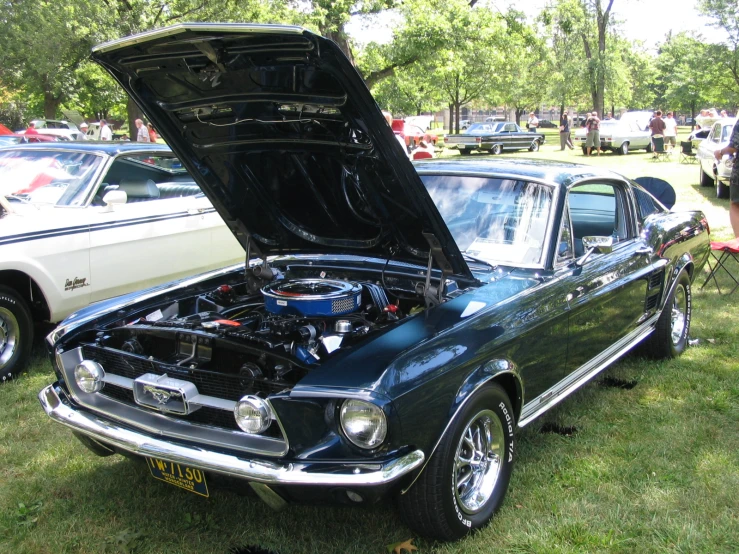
<point x="729" y="251"/>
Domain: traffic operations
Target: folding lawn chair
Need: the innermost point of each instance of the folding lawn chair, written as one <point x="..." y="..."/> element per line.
<point x="728" y="259"/>
<point x="660" y="154"/>
<point x="687" y="154"/>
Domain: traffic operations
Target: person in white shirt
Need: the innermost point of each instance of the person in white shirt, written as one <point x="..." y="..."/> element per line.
<point x="670" y="132"/>
<point x="532" y="123"/>
<point x="83" y="130"/>
<point x="142" y="135"/>
<point x="105" y="132"/>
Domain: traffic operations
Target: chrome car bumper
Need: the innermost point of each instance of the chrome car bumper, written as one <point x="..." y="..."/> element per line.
<point x="110" y="433"/>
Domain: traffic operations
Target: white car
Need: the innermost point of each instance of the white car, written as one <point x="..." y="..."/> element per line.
<point x="81" y="222"/>
<point x="619" y="135"/>
<point x="714" y="173"/>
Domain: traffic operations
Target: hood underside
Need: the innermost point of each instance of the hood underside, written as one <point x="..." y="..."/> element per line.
<point x="283" y="136"/>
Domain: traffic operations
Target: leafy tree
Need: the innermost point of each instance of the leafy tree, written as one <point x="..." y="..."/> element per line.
<point x="725" y="15"/>
<point x="43" y="42"/>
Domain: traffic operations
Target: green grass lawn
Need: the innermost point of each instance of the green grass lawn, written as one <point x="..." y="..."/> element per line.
<point x="653" y="468"/>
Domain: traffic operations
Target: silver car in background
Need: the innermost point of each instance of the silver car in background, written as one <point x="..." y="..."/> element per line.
<point x="714" y="173"/>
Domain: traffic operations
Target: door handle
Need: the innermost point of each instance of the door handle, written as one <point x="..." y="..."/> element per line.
<point x="577" y="293"/>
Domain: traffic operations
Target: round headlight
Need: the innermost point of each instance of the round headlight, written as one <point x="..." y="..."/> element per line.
<point x="89" y="376"/>
<point x="363" y="423"/>
<point x="253" y="415"/>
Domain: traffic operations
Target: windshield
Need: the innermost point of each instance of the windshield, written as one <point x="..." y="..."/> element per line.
<point x="46" y="176"/>
<point x="501" y="221"/>
<point x="484" y="127"/>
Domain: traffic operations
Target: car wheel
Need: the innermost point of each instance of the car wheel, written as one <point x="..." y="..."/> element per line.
<point x="466" y="479"/>
<point x="670" y="336"/>
<point x="705" y="180"/>
<point x="624" y="148"/>
<point x="465" y="152"/>
<point x="16" y="333"/>
<point x="496" y="149"/>
<point x="649" y="148"/>
<point x="584" y="151"/>
<point x="722" y="189"/>
<point x="534" y="146"/>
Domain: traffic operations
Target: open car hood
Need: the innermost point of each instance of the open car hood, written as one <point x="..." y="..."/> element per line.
<point x="281" y="133"/>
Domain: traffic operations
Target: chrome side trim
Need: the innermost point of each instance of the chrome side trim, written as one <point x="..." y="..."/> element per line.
<point x="261" y="471"/>
<point x="451" y="420"/>
<point x="584" y="373"/>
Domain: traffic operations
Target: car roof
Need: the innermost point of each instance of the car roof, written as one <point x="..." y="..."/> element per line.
<point x="110" y="147"/>
<point x="559" y="174"/>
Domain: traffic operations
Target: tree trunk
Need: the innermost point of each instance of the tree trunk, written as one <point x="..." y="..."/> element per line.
<point x="457" y="108"/>
<point x="342" y="40"/>
<point x="451" y="118"/>
<point x="51" y="104"/>
<point x="134" y="113"/>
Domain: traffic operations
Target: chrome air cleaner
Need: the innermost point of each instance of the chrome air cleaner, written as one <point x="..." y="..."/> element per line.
<point x="312" y="297"/>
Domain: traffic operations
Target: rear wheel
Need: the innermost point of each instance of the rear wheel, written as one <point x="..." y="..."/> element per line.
<point x="624" y="148"/>
<point x="704" y="179"/>
<point x="496" y="149"/>
<point x="670" y="336"/>
<point x="534" y="146"/>
<point x="466" y="479"/>
<point x="16" y="333"/>
<point x="649" y="148"/>
<point x="584" y="150"/>
<point x="722" y="189"/>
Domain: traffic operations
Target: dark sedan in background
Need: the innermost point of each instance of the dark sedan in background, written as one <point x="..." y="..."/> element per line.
<point x="394" y="325"/>
<point x="494" y="137"/>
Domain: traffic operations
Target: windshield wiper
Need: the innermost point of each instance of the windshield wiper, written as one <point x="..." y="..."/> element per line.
<point x="478" y="260"/>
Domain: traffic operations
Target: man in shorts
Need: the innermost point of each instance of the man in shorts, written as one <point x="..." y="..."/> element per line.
<point x="593" y="137"/>
<point x="732" y="149"/>
<point x="670" y="131"/>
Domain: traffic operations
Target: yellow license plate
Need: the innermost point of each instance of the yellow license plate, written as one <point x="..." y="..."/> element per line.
<point x="188" y="478"/>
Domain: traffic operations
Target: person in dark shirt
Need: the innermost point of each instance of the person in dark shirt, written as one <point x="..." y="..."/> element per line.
<point x="657" y="126"/>
<point x="593" y="137"/>
<point x="564" y="132"/>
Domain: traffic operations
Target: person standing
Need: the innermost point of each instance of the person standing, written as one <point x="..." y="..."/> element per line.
<point x="105" y="132"/>
<point x="142" y="135"/>
<point x="593" y="136"/>
<point x="657" y="126"/>
<point x="152" y="132"/>
<point x="532" y="123"/>
<point x="670" y="131"/>
<point x="83" y="130"/>
<point x="31" y="129"/>
<point x="732" y="149"/>
<point x="564" y="132"/>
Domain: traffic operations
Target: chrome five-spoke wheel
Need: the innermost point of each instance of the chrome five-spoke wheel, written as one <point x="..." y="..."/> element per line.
<point x="477" y="461"/>
<point x="678" y="317"/>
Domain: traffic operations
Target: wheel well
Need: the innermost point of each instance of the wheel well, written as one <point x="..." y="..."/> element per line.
<point x="29" y="290"/>
<point x="512" y="387"/>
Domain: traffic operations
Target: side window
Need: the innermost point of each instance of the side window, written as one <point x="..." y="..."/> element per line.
<point x="645" y="204"/>
<point x="510" y="128"/>
<point x="565" y="249"/>
<point x="597" y="210"/>
<point x="716" y="133"/>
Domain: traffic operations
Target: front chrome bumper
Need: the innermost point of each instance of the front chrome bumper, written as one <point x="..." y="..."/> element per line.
<point x="112" y="434"/>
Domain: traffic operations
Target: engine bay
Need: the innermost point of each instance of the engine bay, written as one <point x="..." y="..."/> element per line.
<point x="266" y="328"/>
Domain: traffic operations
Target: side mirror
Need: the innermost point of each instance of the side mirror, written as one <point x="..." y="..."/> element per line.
<point x="114" y="197"/>
<point x="602" y="245"/>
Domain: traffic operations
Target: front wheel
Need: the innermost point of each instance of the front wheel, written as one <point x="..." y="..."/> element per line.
<point x="16" y="333"/>
<point x="534" y="146"/>
<point x="670" y="336"/>
<point x="467" y="478"/>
